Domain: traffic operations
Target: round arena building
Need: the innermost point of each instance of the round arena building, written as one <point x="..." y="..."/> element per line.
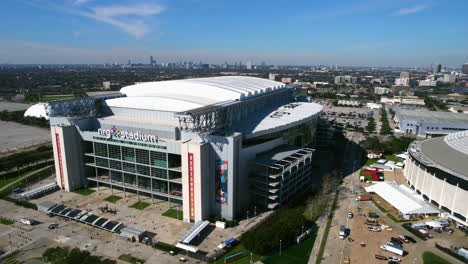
<point x="437" y="169"/>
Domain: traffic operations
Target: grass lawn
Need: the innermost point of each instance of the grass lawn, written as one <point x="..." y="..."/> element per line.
<point x="431" y="258"/>
<point x="370" y="162"/>
<point x="131" y="259"/>
<point x="112" y="198"/>
<point x="7" y="191"/>
<point x="6" y="181"/>
<point x="298" y="253"/>
<point x="140" y="205"/>
<point x="243" y="260"/>
<point x="58" y="97"/>
<point x="393" y="158"/>
<point x="323" y="243"/>
<point x="84" y="191"/>
<point x="174" y="213"/>
<point x="5" y="221"/>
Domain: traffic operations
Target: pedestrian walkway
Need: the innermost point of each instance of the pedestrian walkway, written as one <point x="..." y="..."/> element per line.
<point x="321" y="224"/>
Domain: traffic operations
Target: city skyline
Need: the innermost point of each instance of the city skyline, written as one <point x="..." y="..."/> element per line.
<point x="362" y="33"/>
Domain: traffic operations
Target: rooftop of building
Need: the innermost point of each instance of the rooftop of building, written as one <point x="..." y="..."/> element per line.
<point x="187" y="94"/>
<point x="434" y="117"/>
<point x="277" y="119"/>
<point x="449" y="153"/>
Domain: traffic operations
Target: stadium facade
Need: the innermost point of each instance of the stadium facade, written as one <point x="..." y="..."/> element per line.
<point x="215" y="146"/>
<point x="437" y="169"/>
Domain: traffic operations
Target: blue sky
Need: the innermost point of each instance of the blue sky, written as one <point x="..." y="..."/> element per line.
<point x="307" y="32"/>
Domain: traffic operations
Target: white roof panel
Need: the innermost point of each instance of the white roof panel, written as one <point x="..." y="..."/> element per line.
<point x="38" y="110"/>
<point x="152" y="103"/>
<point x="402" y="198"/>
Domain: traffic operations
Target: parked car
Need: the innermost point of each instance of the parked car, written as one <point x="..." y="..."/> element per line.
<point x="27" y="221"/>
<point x="380" y="257"/>
<point x="373" y="228"/>
<point x="410" y="239"/>
<point x="402" y="239"/>
<point x="53" y="226"/>
<point x="394" y="259"/>
<point x="396" y="241"/>
<point x="350" y="215"/>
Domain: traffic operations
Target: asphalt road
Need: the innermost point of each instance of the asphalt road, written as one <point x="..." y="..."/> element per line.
<point x="335" y="248"/>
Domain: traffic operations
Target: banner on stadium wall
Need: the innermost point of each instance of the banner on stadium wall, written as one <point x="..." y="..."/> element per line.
<point x="191" y="186"/>
<point x="221" y="181"/>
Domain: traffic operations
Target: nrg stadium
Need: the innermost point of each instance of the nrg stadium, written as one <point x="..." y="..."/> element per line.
<point x="215" y="146"/>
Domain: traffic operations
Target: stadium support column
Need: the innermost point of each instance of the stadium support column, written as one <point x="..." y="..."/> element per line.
<point x="195" y="181"/>
<point x="68" y="157"/>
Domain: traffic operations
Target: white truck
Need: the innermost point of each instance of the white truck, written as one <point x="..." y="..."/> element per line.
<point x="393" y="248"/>
<point x="342" y="232"/>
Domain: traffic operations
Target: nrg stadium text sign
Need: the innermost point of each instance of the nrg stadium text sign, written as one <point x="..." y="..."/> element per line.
<point x="124" y="134"/>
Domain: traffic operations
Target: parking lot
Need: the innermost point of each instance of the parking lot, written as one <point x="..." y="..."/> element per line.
<point x="15" y="136"/>
<point x="350" y="116"/>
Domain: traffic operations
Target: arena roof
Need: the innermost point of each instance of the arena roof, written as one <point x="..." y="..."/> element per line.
<point x="434" y="117"/>
<point x="186" y="94"/>
<point x="449" y="153"/>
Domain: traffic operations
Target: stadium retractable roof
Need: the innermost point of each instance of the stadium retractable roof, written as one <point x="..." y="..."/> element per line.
<point x="183" y="95"/>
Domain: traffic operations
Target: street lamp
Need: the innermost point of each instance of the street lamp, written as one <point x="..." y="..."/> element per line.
<point x="280" y="247"/>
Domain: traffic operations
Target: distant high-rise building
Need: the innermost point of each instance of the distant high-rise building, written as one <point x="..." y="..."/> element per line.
<point x="152" y="61"/>
<point x="248" y="65"/>
<point x="345" y="79"/>
<point x="272" y="76"/>
<point x="129" y="62"/>
<point x="465" y="68"/>
<point x="437" y="68"/>
<point x="402" y="81"/>
<point x="405" y="75"/>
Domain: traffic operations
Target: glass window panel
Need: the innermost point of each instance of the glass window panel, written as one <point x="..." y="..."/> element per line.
<point x="101" y="162"/>
<point x="129" y="167"/>
<point x="114" y="152"/>
<point x="142" y="156"/>
<point x="100" y="149"/>
<point x="115" y="164"/>
<point x="128" y="154"/>
<point x="159" y="173"/>
<point x="159" y="159"/>
<point x="143" y="170"/>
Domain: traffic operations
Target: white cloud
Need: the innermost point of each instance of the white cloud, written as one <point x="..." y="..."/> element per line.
<point x="79" y="2"/>
<point x="142" y="10"/>
<point x="131" y="18"/>
<point x="136" y="28"/>
<point x="133" y="22"/>
<point x="410" y="10"/>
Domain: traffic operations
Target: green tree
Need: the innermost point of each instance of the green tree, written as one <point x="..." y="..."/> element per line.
<point x="66" y="255"/>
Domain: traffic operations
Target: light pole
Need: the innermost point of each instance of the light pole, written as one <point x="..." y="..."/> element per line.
<point x="302" y="229"/>
<point x="280" y="247"/>
<point x="255" y="210"/>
